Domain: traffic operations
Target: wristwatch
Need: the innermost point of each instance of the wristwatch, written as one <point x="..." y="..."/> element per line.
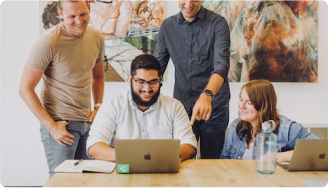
<point x="208" y="92"/>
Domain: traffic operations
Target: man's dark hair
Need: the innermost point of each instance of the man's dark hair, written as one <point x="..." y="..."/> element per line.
<point x="145" y="61"/>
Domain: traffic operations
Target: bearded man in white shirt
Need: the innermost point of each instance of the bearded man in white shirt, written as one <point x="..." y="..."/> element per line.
<point x="141" y="113"/>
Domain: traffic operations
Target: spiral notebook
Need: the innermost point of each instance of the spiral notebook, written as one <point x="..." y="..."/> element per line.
<point x="308" y="155"/>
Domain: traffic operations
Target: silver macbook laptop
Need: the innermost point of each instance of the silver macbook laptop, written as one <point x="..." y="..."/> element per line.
<point x="308" y="155"/>
<point x="147" y="156"/>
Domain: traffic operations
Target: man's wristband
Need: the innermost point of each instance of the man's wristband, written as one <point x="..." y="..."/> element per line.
<point x="208" y="92"/>
<point x="97" y="105"/>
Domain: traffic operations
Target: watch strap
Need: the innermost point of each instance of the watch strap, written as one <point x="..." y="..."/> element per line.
<point x="208" y="92"/>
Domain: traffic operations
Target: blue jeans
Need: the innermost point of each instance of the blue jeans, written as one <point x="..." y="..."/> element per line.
<point x="56" y="153"/>
<point x="212" y="132"/>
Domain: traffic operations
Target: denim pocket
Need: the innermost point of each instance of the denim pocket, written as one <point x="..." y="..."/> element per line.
<point x="233" y="150"/>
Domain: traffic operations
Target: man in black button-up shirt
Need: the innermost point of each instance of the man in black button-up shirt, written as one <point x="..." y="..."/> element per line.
<point x="198" y="42"/>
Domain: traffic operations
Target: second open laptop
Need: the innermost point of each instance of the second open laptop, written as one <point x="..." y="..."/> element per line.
<point x="147" y="156"/>
<point x="308" y="155"/>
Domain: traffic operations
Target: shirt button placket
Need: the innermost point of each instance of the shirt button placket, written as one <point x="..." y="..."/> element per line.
<point x="189" y="59"/>
<point x="144" y="134"/>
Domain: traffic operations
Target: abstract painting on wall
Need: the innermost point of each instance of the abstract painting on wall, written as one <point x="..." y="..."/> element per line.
<point x="274" y="40"/>
<point x="129" y="27"/>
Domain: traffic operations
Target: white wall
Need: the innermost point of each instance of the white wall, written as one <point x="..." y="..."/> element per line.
<point x="23" y="161"/>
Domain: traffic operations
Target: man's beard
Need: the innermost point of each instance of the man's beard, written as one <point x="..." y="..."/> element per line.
<point x="142" y="103"/>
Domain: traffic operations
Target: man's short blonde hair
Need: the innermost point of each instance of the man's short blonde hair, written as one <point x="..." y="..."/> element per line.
<point x="60" y="2"/>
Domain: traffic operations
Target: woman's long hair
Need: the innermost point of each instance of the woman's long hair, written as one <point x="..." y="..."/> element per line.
<point x="263" y="96"/>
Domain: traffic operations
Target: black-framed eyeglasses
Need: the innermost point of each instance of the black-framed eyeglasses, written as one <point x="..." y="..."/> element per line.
<point x="105" y="1"/>
<point x="152" y="83"/>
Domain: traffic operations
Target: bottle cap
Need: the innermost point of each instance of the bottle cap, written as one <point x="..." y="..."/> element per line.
<point x="268" y="125"/>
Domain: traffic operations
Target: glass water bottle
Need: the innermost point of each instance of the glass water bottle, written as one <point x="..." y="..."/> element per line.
<point x="265" y="152"/>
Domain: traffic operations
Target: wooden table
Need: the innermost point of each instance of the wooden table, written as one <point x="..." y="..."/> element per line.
<point x="199" y="173"/>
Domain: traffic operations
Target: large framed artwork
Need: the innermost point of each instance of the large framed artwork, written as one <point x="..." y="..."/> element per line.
<point x="274" y="40"/>
<point x="129" y="27"/>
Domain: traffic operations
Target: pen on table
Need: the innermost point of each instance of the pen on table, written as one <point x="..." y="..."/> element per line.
<point x="77" y="162"/>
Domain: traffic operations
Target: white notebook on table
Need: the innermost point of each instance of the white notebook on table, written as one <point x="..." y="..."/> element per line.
<point x="71" y="166"/>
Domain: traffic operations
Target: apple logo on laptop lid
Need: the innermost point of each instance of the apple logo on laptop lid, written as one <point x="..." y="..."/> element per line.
<point x="147" y="157"/>
<point x="322" y="155"/>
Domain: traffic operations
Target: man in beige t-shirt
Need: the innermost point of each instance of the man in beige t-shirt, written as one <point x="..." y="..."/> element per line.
<point x="69" y="59"/>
